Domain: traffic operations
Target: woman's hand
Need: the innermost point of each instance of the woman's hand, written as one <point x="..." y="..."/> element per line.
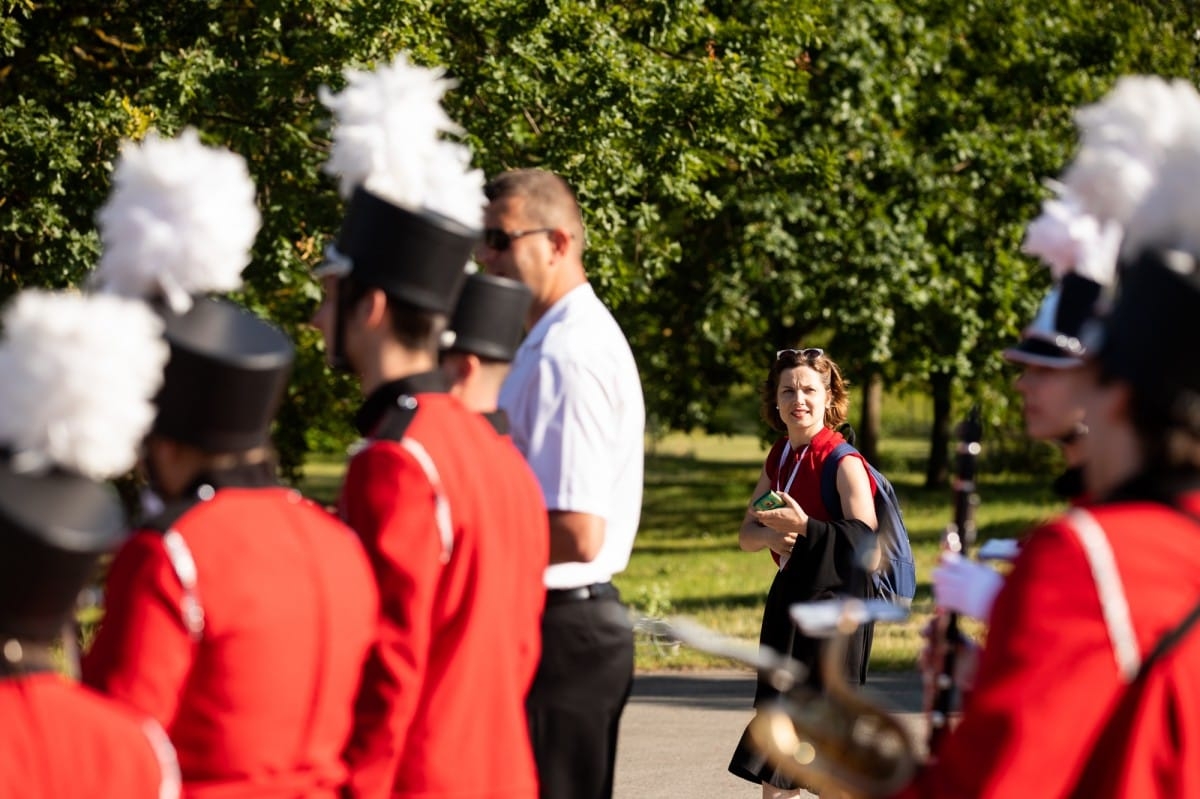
<point x="790" y="520"/>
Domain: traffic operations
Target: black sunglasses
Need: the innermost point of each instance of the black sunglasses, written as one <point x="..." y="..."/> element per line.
<point x="500" y="240"/>
<point x="808" y="354"/>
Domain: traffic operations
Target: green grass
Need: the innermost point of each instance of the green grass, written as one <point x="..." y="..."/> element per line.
<point x="686" y="560"/>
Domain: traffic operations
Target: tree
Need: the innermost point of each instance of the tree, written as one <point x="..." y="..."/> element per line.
<point x="654" y="111"/>
<point x="833" y="172"/>
<point x="938" y="122"/>
<point x="80" y="77"/>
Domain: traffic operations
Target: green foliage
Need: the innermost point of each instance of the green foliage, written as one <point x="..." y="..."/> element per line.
<point x="835" y="172"/>
<point x="80" y="77"/>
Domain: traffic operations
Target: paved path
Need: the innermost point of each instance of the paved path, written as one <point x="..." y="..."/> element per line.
<point x="679" y="729"/>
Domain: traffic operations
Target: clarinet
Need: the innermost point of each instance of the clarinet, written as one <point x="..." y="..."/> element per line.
<point x="959" y="536"/>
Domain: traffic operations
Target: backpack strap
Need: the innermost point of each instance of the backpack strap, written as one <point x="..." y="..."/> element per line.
<point x="829" y="492"/>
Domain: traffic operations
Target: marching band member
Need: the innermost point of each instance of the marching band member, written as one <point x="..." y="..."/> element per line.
<point x="487" y="327"/>
<point x="240" y="614"/>
<point x="1089" y="684"/>
<point x="79" y="376"/>
<point x="450" y="513"/>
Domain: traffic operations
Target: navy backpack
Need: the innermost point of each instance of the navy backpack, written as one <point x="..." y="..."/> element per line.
<point x="896" y="578"/>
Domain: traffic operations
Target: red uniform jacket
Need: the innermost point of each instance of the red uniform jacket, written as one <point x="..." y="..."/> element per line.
<point x="459" y="551"/>
<point x="62" y="741"/>
<point x="259" y="702"/>
<point x="1049" y="677"/>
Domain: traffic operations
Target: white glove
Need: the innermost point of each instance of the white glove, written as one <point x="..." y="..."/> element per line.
<point x="965" y="587"/>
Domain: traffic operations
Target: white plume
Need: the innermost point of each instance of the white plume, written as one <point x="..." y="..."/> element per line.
<point x="1057" y="235"/>
<point x="1169" y="215"/>
<point x="388" y="139"/>
<point x="1068" y="239"/>
<point x="1124" y="138"/>
<point x="80" y="376"/>
<point x="180" y="221"/>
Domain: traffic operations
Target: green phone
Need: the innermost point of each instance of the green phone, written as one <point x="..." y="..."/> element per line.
<point x="768" y="501"/>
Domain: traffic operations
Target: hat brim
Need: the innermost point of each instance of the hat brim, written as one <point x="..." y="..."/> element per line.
<point x="1034" y="352"/>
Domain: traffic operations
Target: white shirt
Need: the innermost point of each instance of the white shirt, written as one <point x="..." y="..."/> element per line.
<point x="575" y="407"/>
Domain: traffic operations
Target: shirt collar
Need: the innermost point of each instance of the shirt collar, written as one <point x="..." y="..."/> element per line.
<point x="384" y="397"/>
<point x="557" y="311"/>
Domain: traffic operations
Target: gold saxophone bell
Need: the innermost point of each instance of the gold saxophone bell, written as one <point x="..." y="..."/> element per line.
<point x="836" y="742"/>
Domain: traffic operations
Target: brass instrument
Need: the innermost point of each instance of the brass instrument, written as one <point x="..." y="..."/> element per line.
<point x="835" y="741"/>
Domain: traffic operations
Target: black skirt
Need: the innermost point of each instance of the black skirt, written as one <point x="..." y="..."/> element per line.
<point x="780" y="633"/>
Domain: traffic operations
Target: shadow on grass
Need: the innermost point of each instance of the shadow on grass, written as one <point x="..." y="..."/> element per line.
<point x="691" y="544"/>
<point x="696" y="604"/>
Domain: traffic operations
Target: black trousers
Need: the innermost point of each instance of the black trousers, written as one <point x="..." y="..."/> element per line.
<point x="578" y="694"/>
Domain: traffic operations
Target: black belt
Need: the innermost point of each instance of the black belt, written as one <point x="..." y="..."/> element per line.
<point x="583" y="592"/>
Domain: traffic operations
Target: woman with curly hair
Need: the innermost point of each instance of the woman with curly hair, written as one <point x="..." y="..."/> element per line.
<point x="804" y="398"/>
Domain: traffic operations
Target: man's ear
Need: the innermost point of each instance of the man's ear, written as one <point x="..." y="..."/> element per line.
<point x="470" y="365"/>
<point x="373" y="307"/>
<point x="1111" y="402"/>
<point x="460" y="368"/>
<point x="560" y="239"/>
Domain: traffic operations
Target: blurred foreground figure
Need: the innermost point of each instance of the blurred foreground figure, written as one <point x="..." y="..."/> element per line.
<point x="239" y="614"/>
<point x="1089" y="685"/>
<point x="79" y="374"/>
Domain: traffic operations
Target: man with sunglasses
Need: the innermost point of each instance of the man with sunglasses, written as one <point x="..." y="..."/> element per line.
<point x="574" y="402"/>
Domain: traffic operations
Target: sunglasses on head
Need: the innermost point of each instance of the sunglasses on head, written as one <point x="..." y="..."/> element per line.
<point x="808" y="354"/>
<point x="500" y="240"/>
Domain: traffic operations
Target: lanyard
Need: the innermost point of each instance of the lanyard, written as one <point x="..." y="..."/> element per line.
<point x="787" y="450"/>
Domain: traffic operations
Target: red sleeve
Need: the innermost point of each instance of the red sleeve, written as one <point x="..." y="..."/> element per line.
<point x="142" y="653"/>
<point x="388" y="500"/>
<point x="1047" y="667"/>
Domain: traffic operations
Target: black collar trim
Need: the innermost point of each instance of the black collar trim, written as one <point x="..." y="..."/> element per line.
<point x="385" y="397"/>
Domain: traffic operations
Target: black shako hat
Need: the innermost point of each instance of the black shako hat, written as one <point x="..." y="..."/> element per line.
<point x="418" y="257"/>
<point x="225" y="378"/>
<point x="53" y="529"/>
<point x="1053" y="339"/>
<point x="489" y="320"/>
<point x="1149" y="338"/>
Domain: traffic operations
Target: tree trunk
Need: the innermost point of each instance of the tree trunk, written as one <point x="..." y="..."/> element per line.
<point x="939" y="437"/>
<point x="872" y="412"/>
